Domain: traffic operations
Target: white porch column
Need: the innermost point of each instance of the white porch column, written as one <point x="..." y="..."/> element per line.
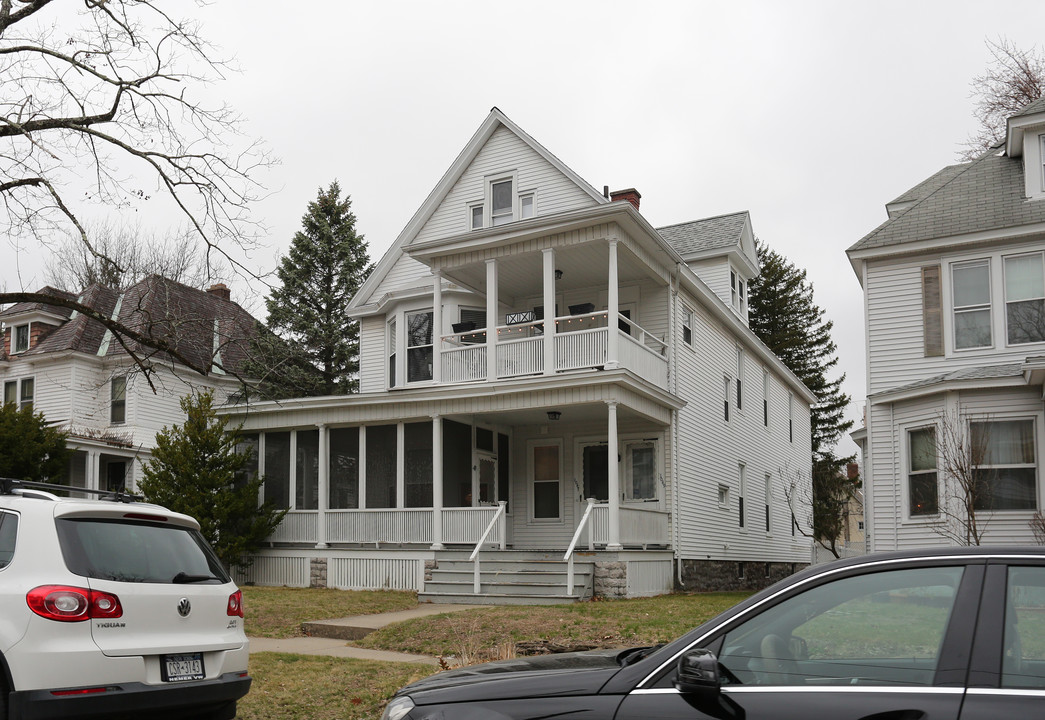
<point x="491" y="320"/>
<point x="613" y="531"/>
<point x="437" y="326"/>
<point x="437" y="480"/>
<point x="400" y="465"/>
<point x="549" y="311"/>
<point x="361" y="470"/>
<point x="292" y="494"/>
<point x="612" y="310"/>
<point x="324" y="485"/>
<point x="91" y="472"/>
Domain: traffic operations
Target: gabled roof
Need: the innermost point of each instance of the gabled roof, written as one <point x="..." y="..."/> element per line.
<point x="492" y="122"/>
<point x="27" y="307"/>
<point x="929" y="185"/>
<point x="199" y="324"/>
<point x="715" y="233"/>
<point x="982" y="196"/>
<point x="1032" y="108"/>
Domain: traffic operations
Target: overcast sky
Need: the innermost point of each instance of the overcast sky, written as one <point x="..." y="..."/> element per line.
<point x="810" y="115"/>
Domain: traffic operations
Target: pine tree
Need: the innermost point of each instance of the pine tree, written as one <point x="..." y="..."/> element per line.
<point x="30" y="449"/>
<point x="785" y="317"/>
<point x="324" y="268"/>
<point x="196" y="469"/>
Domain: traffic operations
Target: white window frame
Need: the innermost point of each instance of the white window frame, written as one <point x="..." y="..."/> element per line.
<point x="1036" y="427"/>
<point x="723" y="496"/>
<point x="404" y="363"/>
<point x="727" y="391"/>
<point x="470" y="217"/>
<point x="791" y="417"/>
<point x="1005" y="293"/>
<point x="955" y="310"/>
<point x="13" y="384"/>
<point x="769" y="505"/>
<point x="741" y="505"/>
<point x="22" y="401"/>
<point x="687" y="325"/>
<point x="530" y="195"/>
<point x="1041" y="158"/>
<point x="908" y="465"/>
<point x="766" y="389"/>
<point x="392" y="371"/>
<point x="740" y="379"/>
<point x="491" y="180"/>
<point x="628" y="481"/>
<point x="15" y="349"/>
<point x="113" y="382"/>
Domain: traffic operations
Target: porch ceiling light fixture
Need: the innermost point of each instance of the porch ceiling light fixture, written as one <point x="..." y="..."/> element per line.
<point x="558" y="274"/>
<point x="554" y="414"/>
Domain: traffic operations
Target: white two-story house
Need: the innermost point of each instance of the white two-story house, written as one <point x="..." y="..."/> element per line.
<point x="548" y="383"/>
<point x="70" y="368"/>
<point x="954" y="292"/>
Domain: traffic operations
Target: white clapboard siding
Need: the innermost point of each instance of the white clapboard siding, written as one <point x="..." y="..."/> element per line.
<point x="715" y="274"/>
<point x="373" y="359"/>
<point x="504" y="152"/>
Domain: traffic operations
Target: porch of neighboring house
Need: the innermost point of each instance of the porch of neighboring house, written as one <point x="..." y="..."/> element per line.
<point x="101" y="465"/>
<point x="518" y="505"/>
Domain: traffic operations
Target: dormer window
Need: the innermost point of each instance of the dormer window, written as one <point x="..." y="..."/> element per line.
<point x="21" y="338"/>
<point x="737" y="292"/>
<point x="502" y="203"/>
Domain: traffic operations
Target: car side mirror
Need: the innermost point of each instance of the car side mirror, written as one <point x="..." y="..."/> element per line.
<point x="698" y="673"/>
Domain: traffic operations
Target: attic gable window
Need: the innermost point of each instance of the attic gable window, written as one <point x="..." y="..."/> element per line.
<point x="21" y="338"/>
<point x="502" y="201"/>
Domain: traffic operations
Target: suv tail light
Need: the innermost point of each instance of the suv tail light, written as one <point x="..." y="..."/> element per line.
<point x="235" y="608"/>
<point x="72" y="604"/>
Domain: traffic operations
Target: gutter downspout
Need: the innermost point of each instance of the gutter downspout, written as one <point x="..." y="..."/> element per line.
<point x="673" y="294"/>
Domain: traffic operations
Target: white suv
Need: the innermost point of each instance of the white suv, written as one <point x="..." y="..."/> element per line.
<point x="111" y="609"/>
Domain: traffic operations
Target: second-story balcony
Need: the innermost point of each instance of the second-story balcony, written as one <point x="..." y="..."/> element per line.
<point x="579" y="341"/>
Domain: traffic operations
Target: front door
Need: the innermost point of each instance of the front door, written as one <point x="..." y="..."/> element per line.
<point x="593" y="458"/>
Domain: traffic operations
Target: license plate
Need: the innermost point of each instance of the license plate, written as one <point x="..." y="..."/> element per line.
<point x="178" y="668"/>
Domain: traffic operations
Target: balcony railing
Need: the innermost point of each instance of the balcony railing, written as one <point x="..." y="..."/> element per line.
<point x="580" y="341"/>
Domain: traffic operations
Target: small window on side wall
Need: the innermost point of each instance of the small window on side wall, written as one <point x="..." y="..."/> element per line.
<point x="687" y="326"/>
<point x="526" y="206"/>
<point x="475" y="216"/>
<point x="28" y="391"/>
<point x="922" y="488"/>
<point x="501" y="210"/>
<point x="118" y="400"/>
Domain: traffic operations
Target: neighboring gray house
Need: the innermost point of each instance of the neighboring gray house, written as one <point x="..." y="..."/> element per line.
<point x="544" y="373"/>
<point x="954" y="293"/>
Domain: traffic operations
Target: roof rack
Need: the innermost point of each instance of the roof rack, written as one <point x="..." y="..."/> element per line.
<point x="9" y="485"/>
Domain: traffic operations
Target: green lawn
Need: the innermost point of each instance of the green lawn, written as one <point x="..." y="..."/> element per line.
<point x="277" y="612"/>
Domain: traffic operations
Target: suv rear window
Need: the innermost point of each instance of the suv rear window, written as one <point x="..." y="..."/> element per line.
<point x="137" y="552"/>
<point x="8" y="531"/>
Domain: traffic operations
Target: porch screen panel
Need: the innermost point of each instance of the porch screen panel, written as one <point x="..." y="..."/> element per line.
<point x="418" y="464"/>
<point x="457" y="464"/>
<point x="503" y="492"/>
<point x="381" y="466"/>
<point x="247" y="445"/>
<point x="596" y="473"/>
<point x="344" y="469"/>
<point x="277" y="468"/>
<point x="307" y="486"/>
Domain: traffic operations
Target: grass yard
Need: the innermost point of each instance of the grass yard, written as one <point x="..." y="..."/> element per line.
<point x="300" y="687"/>
<point x="277" y="612"/>
<point x="493" y="632"/>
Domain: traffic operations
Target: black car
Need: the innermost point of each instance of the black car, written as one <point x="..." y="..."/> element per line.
<point x="934" y="634"/>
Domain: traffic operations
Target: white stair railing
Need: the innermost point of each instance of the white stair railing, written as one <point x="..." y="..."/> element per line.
<point x="474" y="557"/>
<point x="568" y="557"/>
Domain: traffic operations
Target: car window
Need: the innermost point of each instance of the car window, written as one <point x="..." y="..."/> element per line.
<point x="880" y="628"/>
<point x="1023" y="662"/>
<point x="8" y="531"/>
<point x="136" y="552"/>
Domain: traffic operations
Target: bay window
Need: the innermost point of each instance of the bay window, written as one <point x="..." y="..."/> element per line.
<point x="922" y="486"/>
<point x="1005" y="472"/>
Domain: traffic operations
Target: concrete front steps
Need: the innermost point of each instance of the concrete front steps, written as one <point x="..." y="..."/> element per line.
<point x="507" y="577"/>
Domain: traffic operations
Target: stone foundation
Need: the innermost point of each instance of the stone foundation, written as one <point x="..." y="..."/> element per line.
<point x="726" y="575"/>
<point x="611" y="579"/>
<point x="317" y="573"/>
<point x="430" y="565"/>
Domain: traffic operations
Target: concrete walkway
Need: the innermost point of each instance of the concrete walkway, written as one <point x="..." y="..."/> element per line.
<point x="327" y="637"/>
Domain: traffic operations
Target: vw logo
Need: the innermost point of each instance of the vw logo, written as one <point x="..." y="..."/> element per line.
<point x="184" y="607"/>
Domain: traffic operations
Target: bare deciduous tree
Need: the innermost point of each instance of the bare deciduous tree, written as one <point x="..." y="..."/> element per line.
<point x="965" y="484"/>
<point x="824" y="501"/>
<point x="1014" y="77"/>
<point x="127" y="254"/>
<point x="109" y="97"/>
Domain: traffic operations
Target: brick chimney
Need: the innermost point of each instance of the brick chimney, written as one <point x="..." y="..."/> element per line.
<point x="852" y="471"/>
<point x="221" y="290"/>
<point x="631" y="195"/>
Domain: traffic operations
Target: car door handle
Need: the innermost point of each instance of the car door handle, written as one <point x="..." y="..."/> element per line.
<point x="896" y="715"/>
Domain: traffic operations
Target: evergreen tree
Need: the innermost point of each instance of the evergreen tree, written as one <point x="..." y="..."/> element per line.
<point x="29" y="448"/>
<point x="324" y="268"/>
<point x="196" y="469"/>
<point x="785" y="317"/>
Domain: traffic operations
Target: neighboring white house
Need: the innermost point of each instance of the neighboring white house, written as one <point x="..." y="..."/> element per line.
<point x="79" y="376"/>
<point x="954" y="293"/>
<point x="541" y="370"/>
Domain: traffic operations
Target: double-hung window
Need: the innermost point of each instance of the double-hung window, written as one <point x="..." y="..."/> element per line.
<point x="21" y="338"/>
<point x="419" y="347"/>
<point x="740" y="378"/>
<point x="687" y="326"/>
<point x="922" y="487"/>
<point x="11" y="391"/>
<point x="971" y="293"/>
<point x="118" y="400"/>
<point x="640" y="470"/>
<point x="1005" y="473"/>
<point x="765" y="397"/>
<point x="502" y="202"/>
<point x="392" y="339"/>
<point x="28" y="391"/>
<point x="1024" y="299"/>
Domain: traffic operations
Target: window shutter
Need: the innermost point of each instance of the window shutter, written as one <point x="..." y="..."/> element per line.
<point x="932" y="311"/>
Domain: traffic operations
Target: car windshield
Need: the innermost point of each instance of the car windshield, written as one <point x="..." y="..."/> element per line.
<point x="137" y="552"/>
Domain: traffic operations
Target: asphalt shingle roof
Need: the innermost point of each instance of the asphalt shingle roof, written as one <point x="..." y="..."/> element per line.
<point x="986" y="194"/>
<point x="715" y="233"/>
<point x="982" y="372"/>
<point x="195" y="322"/>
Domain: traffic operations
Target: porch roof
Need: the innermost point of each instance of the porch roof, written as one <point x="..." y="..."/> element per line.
<point x="528" y="400"/>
